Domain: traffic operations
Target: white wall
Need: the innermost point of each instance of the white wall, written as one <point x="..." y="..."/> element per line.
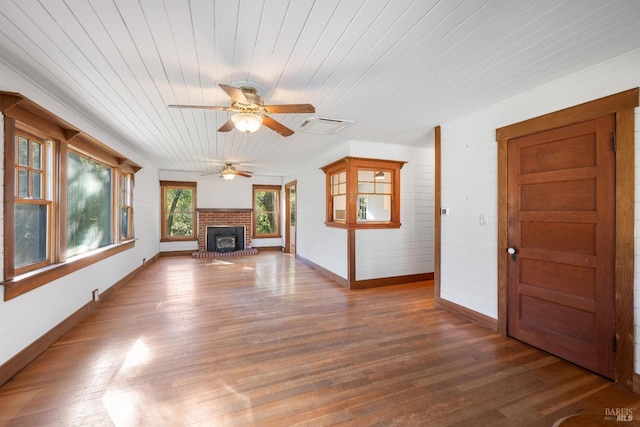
<point x="325" y="246"/>
<point x="26" y="318"/>
<point x="380" y="253"/>
<point x="214" y="192"/>
<point x="469" y="180"/>
<point x="409" y="249"/>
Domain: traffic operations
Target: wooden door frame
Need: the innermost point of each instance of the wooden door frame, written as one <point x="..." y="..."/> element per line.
<point x="437" y="223"/>
<point x="622" y="105"/>
<point x="287" y="209"/>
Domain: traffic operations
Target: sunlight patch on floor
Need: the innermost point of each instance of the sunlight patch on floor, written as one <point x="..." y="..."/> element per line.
<point x="138" y="355"/>
<point x="122" y="403"/>
<point x="218" y="262"/>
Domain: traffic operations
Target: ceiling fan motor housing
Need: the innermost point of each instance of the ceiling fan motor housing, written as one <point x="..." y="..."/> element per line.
<point x="255" y="101"/>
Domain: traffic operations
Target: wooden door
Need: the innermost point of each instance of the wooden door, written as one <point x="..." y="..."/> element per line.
<point x="561" y="211"/>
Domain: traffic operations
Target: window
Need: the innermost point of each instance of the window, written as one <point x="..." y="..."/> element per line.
<point x="178" y="210"/>
<point x="59" y="197"/>
<point x="339" y="195"/>
<point x="126" y="206"/>
<point x="363" y="193"/>
<point x="89" y="207"/>
<point x="374" y="195"/>
<point x="266" y="211"/>
<point x="32" y="205"/>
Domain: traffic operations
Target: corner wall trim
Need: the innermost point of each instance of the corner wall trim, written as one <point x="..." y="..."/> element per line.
<point x="369" y="283"/>
<point x="475" y="317"/>
<point x="340" y="280"/>
<point x="388" y="281"/>
<point x="33" y="350"/>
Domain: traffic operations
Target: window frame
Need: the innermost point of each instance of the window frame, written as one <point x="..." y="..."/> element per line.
<point x="351" y="166"/>
<point x="377" y="187"/>
<point x="125" y="202"/>
<point x="44" y="200"/>
<point x="114" y="184"/>
<point x="189" y="185"/>
<point x="338" y="189"/>
<point x="278" y="190"/>
<point x="22" y="115"/>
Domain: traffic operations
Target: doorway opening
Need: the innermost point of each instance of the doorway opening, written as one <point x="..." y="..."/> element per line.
<point x="290" y="234"/>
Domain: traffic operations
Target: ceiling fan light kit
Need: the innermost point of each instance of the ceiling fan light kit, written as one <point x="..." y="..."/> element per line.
<point x="228" y="175"/>
<point x="247" y="122"/>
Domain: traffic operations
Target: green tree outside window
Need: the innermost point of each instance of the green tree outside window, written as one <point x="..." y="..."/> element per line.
<point x="178" y="210"/>
<point x="266" y="203"/>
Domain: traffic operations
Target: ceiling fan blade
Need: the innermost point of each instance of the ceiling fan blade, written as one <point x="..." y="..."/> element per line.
<point x="227" y="126"/>
<point x="234" y="93"/>
<point x="276" y="126"/>
<point x="210" y="173"/>
<point x="290" y="108"/>
<point x="241" y="173"/>
<point x="201" y="107"/>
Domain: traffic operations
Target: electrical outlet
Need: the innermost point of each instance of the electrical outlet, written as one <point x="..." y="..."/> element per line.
<point x="484" y="219"/>
<point x="95" y="295"/>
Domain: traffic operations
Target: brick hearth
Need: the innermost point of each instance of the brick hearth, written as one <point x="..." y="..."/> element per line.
<point x="205" y="254"/>
<point x="224" y="218"/>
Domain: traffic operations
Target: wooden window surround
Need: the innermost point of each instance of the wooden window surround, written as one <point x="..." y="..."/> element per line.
<point x="23" y="117"/>
<point x="178" y="210"/>
<point x="32" y="202"/>
<point x="266" y="216"/>
<point x="126" y="206"/>
<point x="363" y="193"/>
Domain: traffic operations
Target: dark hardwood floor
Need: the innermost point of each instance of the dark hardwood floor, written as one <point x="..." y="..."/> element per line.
<point x="266" y="341"/>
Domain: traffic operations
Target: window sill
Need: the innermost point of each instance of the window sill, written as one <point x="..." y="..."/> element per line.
<point x="34" y="279"/>
<point x="272" y="236"/>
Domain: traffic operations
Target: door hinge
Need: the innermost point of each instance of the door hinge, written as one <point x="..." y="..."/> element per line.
<point x="614" y="344"/>
<point x="615" y="142"/>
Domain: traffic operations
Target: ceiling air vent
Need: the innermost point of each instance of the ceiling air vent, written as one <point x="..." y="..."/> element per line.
<point x="324" y="125"/>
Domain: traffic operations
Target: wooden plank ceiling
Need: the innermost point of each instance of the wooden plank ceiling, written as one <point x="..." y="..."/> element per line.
<point x="397" y="68"/>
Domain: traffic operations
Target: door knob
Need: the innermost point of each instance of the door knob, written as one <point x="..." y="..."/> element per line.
<point x="513" y="251"/>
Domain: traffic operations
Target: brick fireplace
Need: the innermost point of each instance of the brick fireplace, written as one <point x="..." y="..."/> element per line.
<point x="223" y="218"/>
